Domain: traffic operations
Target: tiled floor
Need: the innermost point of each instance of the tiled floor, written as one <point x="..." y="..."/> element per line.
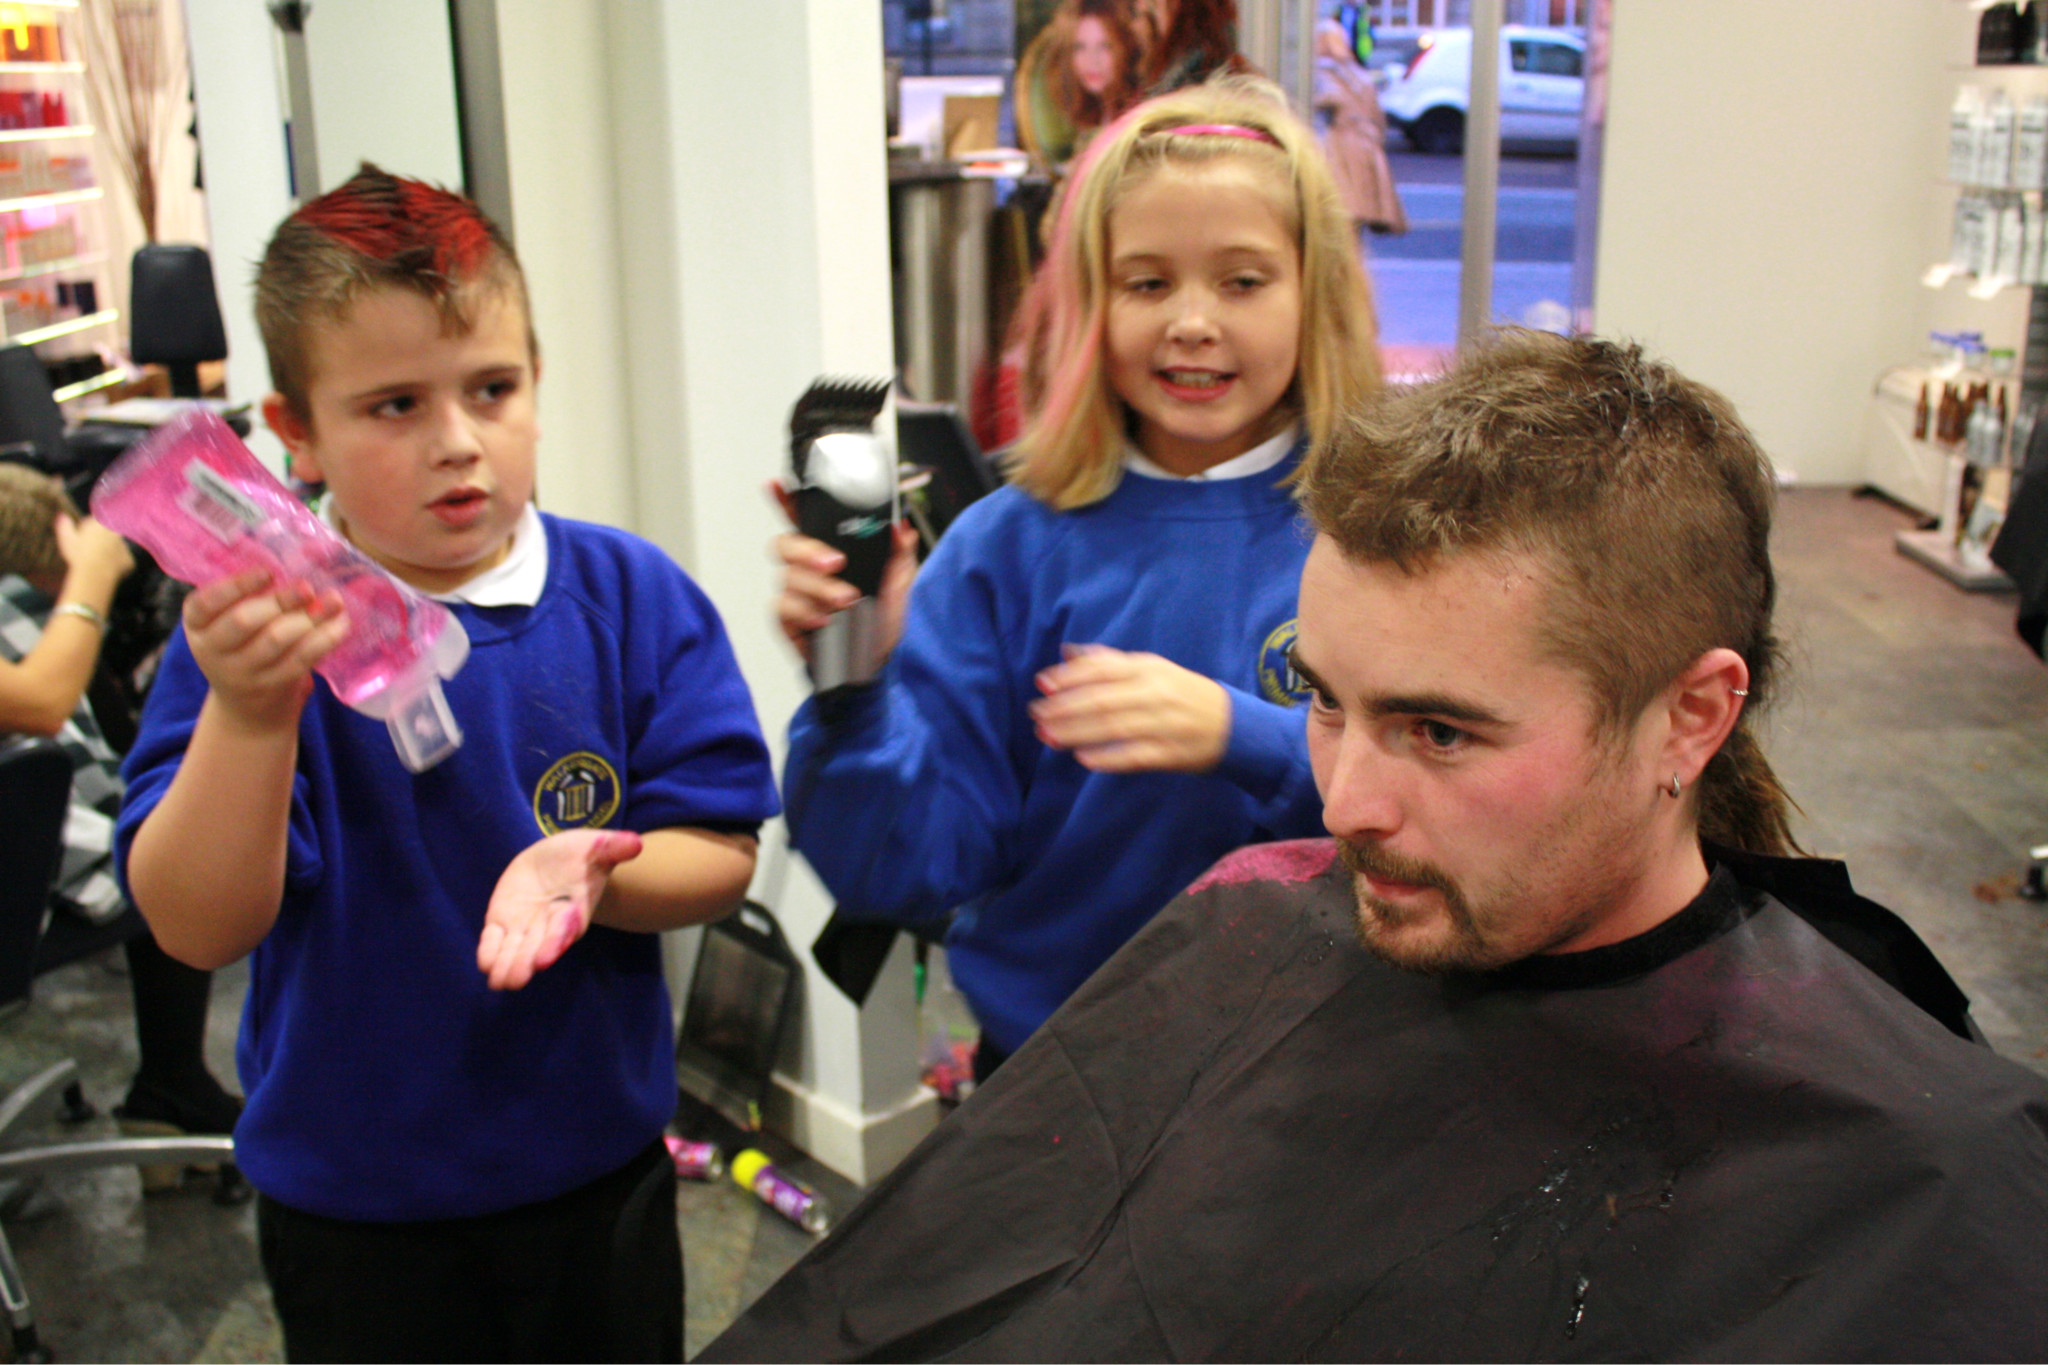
<point x="1915" y="736"/>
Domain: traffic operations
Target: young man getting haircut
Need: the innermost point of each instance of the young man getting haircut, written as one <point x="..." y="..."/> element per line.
<point x="1551" y="1051"/>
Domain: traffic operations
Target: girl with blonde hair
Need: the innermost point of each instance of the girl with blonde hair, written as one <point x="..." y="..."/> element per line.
<point x="1088" y="703"/>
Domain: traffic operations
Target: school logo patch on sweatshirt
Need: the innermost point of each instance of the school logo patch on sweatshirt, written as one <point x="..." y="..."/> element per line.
<point x="579" y="792"/>
<point x="1278" y="682"/>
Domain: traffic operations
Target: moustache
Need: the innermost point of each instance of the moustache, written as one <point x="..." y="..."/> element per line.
<point x="1374" y="861"/>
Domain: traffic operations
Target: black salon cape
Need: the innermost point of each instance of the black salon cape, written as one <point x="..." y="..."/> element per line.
<point x="1247" y="1139"/>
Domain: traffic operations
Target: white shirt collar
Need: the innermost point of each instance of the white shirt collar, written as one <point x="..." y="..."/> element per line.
<point x="1257" y="460"/>
<point x="515" y="581"/>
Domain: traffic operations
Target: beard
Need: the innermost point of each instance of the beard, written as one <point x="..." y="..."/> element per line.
<point x="1388" y="931"/>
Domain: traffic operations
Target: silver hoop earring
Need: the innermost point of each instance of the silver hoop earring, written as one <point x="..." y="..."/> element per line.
<point x="1739" y="691"/>
<point x="1675" y="789"/>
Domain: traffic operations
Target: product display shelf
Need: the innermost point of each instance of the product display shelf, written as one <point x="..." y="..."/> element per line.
<point x="1906" y="469"/>
<point x="56" y="267"/>
<point x="1936" y="551"/>
<point x="1915" y="471"/>
<point x="45" y="134"/>
<point x="37" y="335"/>
<point x="52" y="199"/>
<point x="105" y="379"/>
<point x="54" y="263"/>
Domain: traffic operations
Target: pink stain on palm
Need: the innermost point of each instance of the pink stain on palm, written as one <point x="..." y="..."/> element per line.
<point x="571" y="929"/>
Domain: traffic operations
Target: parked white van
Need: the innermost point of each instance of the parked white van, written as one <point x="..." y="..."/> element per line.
<point x="1542" y="88"/>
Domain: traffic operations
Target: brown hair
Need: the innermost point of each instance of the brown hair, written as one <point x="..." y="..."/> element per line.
<point x="1083" y="108"/>
<point x="377" y="231"/>
<point x="29" y="503"/>
<point x="1200" y="39"/>
<point x="1641" y="492"/>
<point x="1071" y="451"/>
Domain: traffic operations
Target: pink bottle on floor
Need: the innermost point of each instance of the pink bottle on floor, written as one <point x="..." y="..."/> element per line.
<point x="193" y="496"/>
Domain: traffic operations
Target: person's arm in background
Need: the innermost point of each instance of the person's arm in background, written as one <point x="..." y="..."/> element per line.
<point x="39" y="694"/>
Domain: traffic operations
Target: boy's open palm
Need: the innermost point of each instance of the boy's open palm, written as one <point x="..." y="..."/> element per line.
<point x="544" y="900"/>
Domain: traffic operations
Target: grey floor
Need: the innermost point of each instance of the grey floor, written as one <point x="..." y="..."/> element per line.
<point x="1915" y="737"/>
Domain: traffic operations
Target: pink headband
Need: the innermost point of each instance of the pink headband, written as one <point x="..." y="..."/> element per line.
<point x="1223" y="130"/>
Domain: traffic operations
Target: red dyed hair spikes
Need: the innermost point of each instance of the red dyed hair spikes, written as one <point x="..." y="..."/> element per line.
<point x="403" y="223"/>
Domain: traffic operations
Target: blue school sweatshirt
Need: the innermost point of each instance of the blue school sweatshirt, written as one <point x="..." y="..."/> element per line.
<point x="385" y="1080"/>
<point x="932" y="794"/>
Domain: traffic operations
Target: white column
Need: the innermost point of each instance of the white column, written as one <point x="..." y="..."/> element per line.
<point x="1482" y="173"/>
<point x="779" y="185"/>
<point x="383" y="76"/>
<point x="236" y="87"/>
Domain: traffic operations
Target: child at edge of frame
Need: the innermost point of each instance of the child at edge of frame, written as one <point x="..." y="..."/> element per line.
<point x="457" y="1046"/>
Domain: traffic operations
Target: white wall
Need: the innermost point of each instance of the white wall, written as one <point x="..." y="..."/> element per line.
<point x="1766" y="198"/>
<point x="565" y="176"/>
<point x="248" y="178"/>
<point x="383" y="89"/>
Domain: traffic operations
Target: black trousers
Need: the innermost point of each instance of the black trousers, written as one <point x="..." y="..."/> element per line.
<point x="594" y="1274"/>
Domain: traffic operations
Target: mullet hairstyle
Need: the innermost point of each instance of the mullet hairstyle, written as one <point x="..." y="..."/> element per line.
<point x="378" y="231"/>
<point x="1641" y="494"/>
<point x="1070" y="453"/>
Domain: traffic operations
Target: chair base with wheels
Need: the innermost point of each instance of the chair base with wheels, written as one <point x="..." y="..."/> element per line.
<point x="57" y="1088"/>
<point x="35" y="791"/>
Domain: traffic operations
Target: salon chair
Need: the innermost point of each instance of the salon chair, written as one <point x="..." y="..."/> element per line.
<point x="32" y="429"/>
<point x="35" y="791"/>
<point x="174" y="314"/>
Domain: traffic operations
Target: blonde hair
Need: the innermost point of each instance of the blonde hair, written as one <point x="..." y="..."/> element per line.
<point x="29" y="503"/>
<point x="1070" y="452"/>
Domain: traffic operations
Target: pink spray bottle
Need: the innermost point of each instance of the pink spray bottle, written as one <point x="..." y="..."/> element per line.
<point x="193" y="496"/>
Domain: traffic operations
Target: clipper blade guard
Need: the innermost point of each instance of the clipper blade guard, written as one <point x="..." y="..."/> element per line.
<point x="193" y="496"/>
<point x="842" y="453"/>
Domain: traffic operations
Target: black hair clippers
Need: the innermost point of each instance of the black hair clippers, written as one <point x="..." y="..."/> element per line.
<point x="842" y="454"/>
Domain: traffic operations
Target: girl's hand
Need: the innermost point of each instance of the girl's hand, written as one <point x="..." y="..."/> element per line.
<point x="1132" y="713"/>
<point x="811" y="591"/>
<point x="544" y="901"/>
<point x="91" y="552"/>
<point x="257" y="643"/>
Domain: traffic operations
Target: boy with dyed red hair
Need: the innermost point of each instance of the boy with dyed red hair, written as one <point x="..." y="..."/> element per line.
<point x="457" y="1047"/>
